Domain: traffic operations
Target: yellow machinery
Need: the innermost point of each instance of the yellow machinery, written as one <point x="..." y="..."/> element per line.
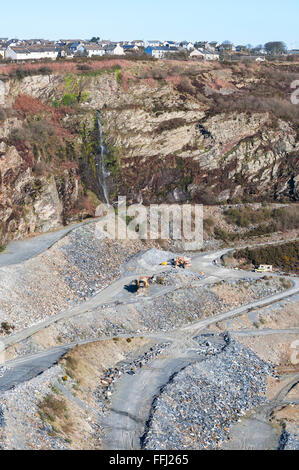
<point x="143" y="282"/>
<point x="181" y="262"/>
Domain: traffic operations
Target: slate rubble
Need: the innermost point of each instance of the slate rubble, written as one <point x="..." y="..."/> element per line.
<point x="107" y="384"/>
<point x="195" y="410"/>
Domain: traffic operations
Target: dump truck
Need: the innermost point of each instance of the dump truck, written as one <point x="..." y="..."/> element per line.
<point x="143" y="282"/>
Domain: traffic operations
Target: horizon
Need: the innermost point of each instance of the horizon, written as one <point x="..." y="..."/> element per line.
<point x="239" y="23"/>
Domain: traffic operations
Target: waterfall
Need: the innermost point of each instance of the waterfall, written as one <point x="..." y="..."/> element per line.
<point x="101" y="170"/>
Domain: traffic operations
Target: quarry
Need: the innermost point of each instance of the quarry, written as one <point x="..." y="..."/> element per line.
<point x="140" y="344"/>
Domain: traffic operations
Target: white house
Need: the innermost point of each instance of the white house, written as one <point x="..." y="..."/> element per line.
<point x="47" y="52"/>
<point x="227" y="47"/>
<point x="74" y="46"/>
<point x="169" y="44"/>
<point x="203" y="54"/>
<point x="138" y="43"/>
<point x="190" y="46"/>
<point x="196" y="54"/>
<point x="154" y="43"/>
<point x="210" y="48"/>
<point x="17" y="53"/>
<point x="212" y="56"/>
<point x="214" y="44"/>
<point x="31" y="53"/>
<point x="92" y="50"/>
<point x="202" y="44"/>
<point x="118" y="50"/>
<point x="161" y="51"/>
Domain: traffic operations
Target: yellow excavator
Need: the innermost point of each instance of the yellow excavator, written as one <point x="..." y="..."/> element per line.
<point x="178" y="262"/>
<point x="181" y="262"/>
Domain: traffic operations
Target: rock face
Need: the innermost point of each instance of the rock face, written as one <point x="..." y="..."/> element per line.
<point x="30" y="203"/>
<point x="169" y="138"/>
<point x="190" y="154"/>
<point x="38" y="190"/>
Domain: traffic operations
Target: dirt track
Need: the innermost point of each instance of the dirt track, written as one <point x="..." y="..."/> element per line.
<point x="134" y="395"/>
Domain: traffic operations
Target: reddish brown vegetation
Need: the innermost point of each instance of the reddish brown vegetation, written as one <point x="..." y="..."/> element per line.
<point x="218" y="84"/>
<point x="69" y="165"/>
<point x="66" y="66"/>
<point x="174" y="79"/>
<point x="27" y="105"/>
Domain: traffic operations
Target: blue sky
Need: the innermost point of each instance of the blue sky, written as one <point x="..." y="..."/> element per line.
<point x="243" y="22"/>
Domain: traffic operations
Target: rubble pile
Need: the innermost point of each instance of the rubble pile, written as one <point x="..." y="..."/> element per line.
<point x="3" y="370"/>
<point x="175" y="278"/>
<point x="127" y="367"/>
<point x="196" y="408"/>
<point x="74" y="269"/>
<point x="209" y="344"/>
<point x="93" y="262"/>
<point x="292" y="442"/>
<point x="20" y="424"/>
<point x="191" y="303"/>
<point x="184" y="305"/>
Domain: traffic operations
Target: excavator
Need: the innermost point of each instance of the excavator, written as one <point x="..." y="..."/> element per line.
<point x="178" y="262"/>
<point x="181" y="262"/>
<point x="144" y="281"/>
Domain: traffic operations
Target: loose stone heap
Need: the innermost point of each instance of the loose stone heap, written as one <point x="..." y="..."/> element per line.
<point x="127" y="367"/>
<point x="197" y="407"/>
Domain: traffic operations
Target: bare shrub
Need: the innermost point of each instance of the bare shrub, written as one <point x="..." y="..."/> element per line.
<point x="2" y="115"/>
<point x="155" y="73"/>
<point x="40" y="168"/>
<point x="208" y="223"/>
<point x="186" y="87"/>
<point x="83" y="67"/>
<point x="286" y="218"/>
<point x="170" y="124"/>
<point x="245" y="216"/>
<point x="32" y="132"/>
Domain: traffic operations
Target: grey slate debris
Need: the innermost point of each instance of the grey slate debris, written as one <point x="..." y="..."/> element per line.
<point x="197" y="407"/>
<point x="292" y="442"/>
<point x="127" y="367"/>
<point x="92" y="262"/>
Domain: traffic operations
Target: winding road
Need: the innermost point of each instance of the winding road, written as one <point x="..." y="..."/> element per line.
<point x="134" y="395"/>
<point x="18" y="251"/>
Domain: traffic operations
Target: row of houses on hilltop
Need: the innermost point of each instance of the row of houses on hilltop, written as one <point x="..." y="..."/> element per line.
<point x="17" y="50"/>
<point x="31" y="49"/>
<point x="40" y="49"/>
<point x="31" y="52"/>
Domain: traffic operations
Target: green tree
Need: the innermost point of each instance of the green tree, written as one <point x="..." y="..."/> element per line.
<point x="75" y="88"/>
<point x="95" y="39"/>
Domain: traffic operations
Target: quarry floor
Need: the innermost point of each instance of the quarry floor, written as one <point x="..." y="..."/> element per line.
<point x="248" y="321"/>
